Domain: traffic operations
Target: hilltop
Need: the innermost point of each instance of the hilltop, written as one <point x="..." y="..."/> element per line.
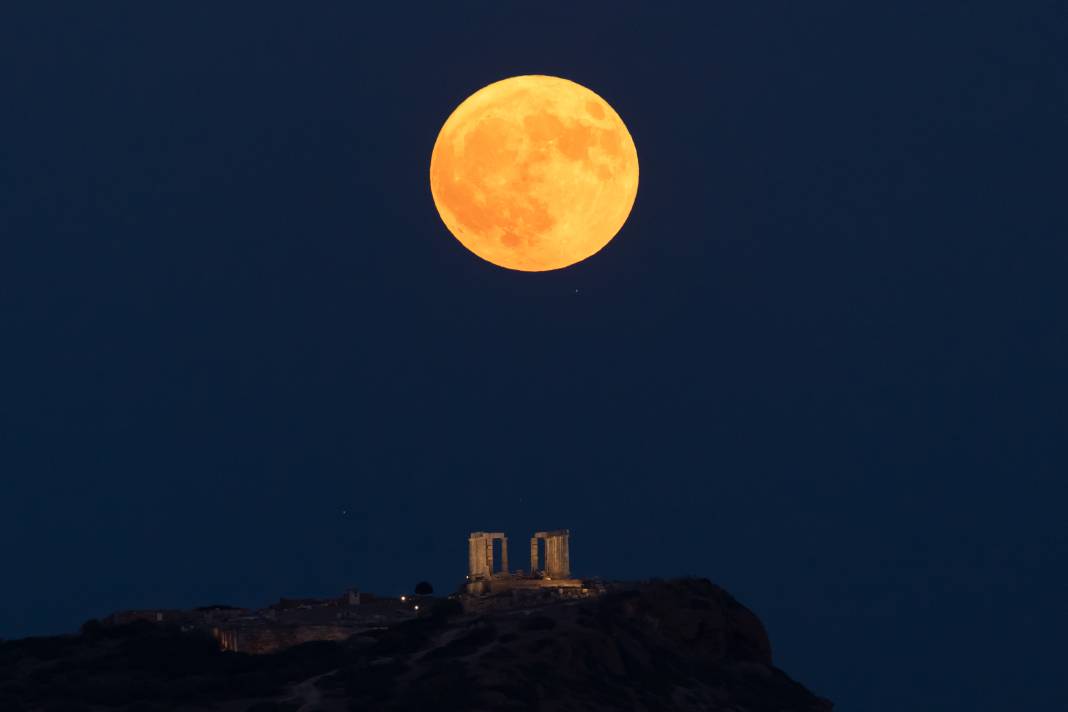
<point x="673" y="645"/>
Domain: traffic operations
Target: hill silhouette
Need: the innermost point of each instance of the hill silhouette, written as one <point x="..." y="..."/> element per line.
<point x="676" y="645"/>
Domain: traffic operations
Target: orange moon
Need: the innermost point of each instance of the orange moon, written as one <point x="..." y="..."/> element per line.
<point x="534" y="173"/>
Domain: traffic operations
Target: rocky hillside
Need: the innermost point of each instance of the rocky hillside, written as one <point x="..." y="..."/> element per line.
<point x="678" y="645"/>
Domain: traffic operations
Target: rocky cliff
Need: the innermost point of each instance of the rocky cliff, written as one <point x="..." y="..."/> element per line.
<point x="677" y="645"/>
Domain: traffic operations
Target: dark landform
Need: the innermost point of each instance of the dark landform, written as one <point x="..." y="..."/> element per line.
<point x="684" y="645"/>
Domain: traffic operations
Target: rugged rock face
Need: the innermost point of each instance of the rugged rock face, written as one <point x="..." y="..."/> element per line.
<point x="678" y="645"/>
<point x="682" y="645"/>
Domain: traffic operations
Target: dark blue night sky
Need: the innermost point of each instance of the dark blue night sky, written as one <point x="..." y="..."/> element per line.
<point x="823" y="364"/>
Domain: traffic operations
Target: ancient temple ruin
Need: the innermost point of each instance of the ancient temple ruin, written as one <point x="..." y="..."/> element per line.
<point x="492" y="582"/>
<point x="557" y="554"/>
<point x="483" y="549"/>
<point x="480" y="553"/>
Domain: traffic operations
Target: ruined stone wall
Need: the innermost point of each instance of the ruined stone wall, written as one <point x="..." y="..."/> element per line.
<point x="526" y="593"/>
<point x="269" y="639"/>
<point x="126" y="617"/>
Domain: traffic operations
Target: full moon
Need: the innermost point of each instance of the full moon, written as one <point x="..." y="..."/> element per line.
<point x="534" y="173"/>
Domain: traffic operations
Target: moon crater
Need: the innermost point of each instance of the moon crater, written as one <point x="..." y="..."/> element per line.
<point x="534" y="173"/>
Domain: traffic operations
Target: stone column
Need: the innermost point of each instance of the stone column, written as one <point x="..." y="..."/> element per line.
<point x="489" y="556"/>
<point x="478" y="552"/>
<point x="533" y="555"/>
<point x="565" y="556"/>
<point x="550" y="557"/>
<point x="557" y="555"/>
<point x="504" y="555"/>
